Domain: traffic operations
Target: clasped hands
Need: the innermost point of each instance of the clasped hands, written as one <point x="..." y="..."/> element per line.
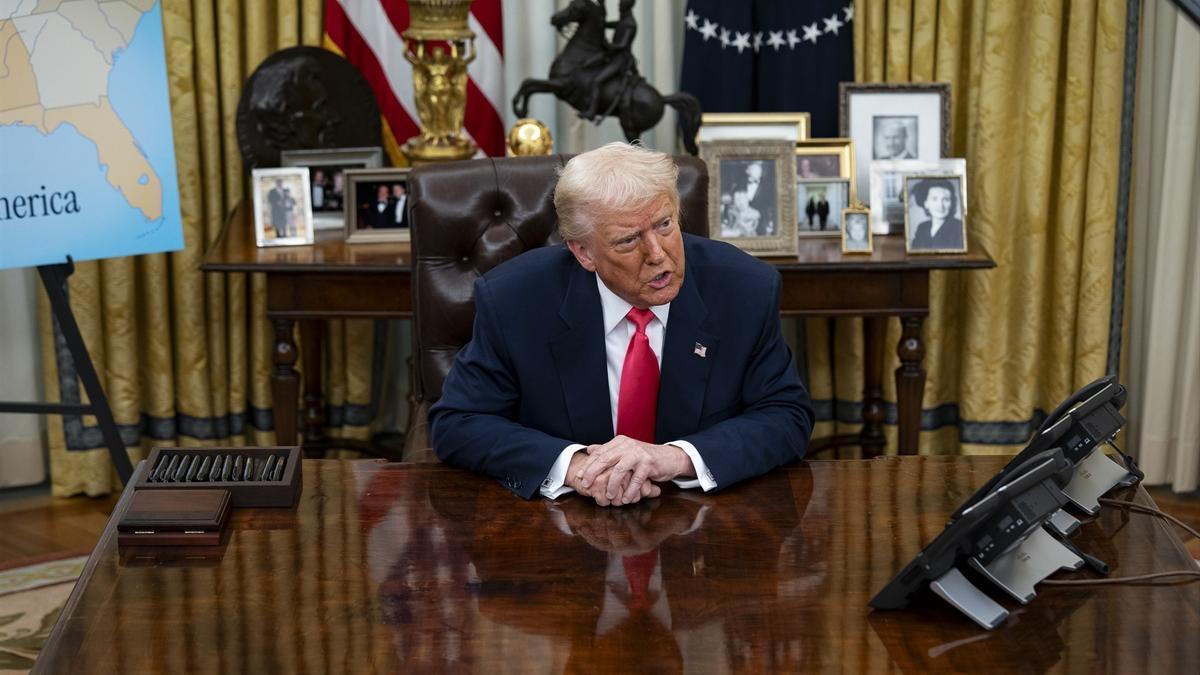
<point x="625" y="470"/>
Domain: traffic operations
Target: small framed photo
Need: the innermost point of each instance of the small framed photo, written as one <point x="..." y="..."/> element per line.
<point x="856" y="231"/>
<point x="819" y="206"/>
<point x="377" y="205"/>
<point x="327" y="179"/>
<point x="894" y="122"/>
<point x="751" y="200"/>
<point x="887" y="188"/>
<point x="749" y="126"/>
<point x="282" y="210"/>
<point x="824" y="158"/>
<point x="934" y="216"/>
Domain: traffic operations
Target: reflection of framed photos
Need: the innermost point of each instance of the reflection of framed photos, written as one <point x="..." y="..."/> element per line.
<point x="935" y="216"/>
<point x="282" y="210"/>
<point x="856" y="231"/>
<point x="894" y="122"/>
<point x="751" y="202"/>
<point x="718" y="126"/>
<point x="377" y="205"/>
<point x="819" y="206"/>
<point x="887" y="188"/>
<point x="327" y="179"/>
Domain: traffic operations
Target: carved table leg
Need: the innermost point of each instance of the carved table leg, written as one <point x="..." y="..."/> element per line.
<point x="312" y="336"/>
<point x="872" y="413"/>
<point x="910" y="383"/>
<point x="285" y="383"/>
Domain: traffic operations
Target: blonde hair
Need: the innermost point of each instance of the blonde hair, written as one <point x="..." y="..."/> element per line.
<point x="617" y="177"/>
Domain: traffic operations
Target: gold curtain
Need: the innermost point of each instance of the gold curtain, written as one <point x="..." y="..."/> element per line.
<point x="1036" y="95"/>
<point x="184" y="356"/>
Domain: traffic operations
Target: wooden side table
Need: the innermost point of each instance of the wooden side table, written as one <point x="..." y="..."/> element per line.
<point x="333" y="280"/>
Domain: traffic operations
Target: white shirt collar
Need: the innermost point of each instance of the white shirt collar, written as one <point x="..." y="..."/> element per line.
<point x="615" y="308"/>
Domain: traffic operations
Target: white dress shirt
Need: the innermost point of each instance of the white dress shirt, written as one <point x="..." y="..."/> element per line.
<point x="617" y="333"/>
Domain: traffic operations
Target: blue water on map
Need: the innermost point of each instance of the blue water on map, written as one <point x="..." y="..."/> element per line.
<point x="107" y="225"/>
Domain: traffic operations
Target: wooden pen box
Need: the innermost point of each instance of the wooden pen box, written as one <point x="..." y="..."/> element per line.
<point x="258" y="480"/>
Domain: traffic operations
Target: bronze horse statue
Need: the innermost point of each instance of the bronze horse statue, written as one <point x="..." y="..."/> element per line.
<point x="635" y="103"/>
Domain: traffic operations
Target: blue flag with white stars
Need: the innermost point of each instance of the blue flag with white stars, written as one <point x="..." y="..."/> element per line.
<point x="769" y="56"/>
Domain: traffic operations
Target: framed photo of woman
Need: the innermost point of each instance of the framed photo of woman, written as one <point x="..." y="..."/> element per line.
<point x="856" y="231"/>
<point x="934" y="215"/>
<point x="752" y="194"/>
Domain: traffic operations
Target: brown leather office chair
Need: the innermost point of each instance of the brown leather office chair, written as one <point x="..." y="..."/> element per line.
<point x="468" y="217"/>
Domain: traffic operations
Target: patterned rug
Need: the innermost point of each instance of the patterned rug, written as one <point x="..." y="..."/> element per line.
<point x="31" y="597"/>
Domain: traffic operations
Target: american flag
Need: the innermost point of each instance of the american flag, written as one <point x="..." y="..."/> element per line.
<point x="367" y="34"/>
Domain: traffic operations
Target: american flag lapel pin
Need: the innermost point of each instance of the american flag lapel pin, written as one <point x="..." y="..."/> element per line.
<point x="700" y="350"/>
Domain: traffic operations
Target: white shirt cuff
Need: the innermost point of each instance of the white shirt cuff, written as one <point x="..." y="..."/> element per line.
<point x="704" y="478"/>
<point x="554" y="486"/>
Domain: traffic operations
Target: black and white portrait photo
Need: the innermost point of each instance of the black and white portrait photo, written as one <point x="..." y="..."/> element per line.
<point x="282" y="210"/>
<point x="819" y="206"/>
<point x="856" y="232"/>
<point x="934" y="215"/>
<point x="818" y="166"/>
<point x="748" y="198"/>
<point x="895" y="137"/>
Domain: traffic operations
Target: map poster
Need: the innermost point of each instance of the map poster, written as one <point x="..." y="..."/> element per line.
<point x="87" y="157"/>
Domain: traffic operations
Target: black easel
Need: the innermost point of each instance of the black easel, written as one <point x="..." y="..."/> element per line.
<point x="54" y="278"/>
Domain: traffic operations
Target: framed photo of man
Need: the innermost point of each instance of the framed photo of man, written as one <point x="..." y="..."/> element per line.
<point x="887" y="187"/>
<point x="894" y="122"/>
<point x="751" y="195"/>
<point x="824" y="158"/>
<point x="934" y="218"/>
<point x="856" y="231"/>
<point x="327" y="179"/>
<point x="377" y="205"/>
<point x="282" y="209"/>
<point x="819" y="206"/>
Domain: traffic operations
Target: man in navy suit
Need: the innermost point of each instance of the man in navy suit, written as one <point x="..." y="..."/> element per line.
<point x="552" y="393"/>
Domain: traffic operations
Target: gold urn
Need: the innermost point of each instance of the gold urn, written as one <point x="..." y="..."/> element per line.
<point x="529" y="137"/>
<point x="439" y="45"/>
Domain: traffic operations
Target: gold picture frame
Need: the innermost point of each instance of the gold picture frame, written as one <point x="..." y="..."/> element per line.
<point x="856" y="231"/>
<point x="372" y="216"/>
<point x="794" y="126"/>
<point x="751" y="194"/>
<point x="951" y="235"/>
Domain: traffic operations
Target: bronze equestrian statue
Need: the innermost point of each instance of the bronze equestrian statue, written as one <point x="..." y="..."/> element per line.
<point x="600" y="78"/>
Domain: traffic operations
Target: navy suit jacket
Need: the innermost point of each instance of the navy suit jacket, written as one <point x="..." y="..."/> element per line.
<point x="534" y="377"/>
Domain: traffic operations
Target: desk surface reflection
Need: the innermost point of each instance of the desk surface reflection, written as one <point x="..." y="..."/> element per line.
<point x="386" y="566"/>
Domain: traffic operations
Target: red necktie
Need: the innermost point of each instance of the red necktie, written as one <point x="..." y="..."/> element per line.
<point x="638" y="569"/>
<point x="638" y="396"/>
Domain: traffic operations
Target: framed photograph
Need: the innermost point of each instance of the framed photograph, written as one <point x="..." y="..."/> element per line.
<point x="751" y="194"/>
<point x="749" y="126"/>
<point x="819" y="206"/>
<point x="934" y="216"/>
<point x="327" y="179"/>
<point x="376" y="205"/>
<point x="824" y="158"/>
<point x="282" y="210"/>
<point x="887" y="188"/>
<point x="856" y="231"/>
<point x="894" y="122"/>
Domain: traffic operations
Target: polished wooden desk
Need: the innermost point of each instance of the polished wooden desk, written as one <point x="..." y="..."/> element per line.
<point x="331" y="279"/>
<point x="423" y="568"/>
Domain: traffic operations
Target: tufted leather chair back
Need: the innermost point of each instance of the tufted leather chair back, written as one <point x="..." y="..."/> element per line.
<point x="467" y="217"/>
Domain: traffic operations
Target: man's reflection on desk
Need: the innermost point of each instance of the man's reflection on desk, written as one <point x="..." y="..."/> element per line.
<point x="686" y="580"/>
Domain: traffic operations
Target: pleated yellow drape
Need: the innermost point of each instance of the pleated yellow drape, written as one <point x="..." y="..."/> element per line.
<point x="1036" y="96"/>
<point x="184" y="356"/>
